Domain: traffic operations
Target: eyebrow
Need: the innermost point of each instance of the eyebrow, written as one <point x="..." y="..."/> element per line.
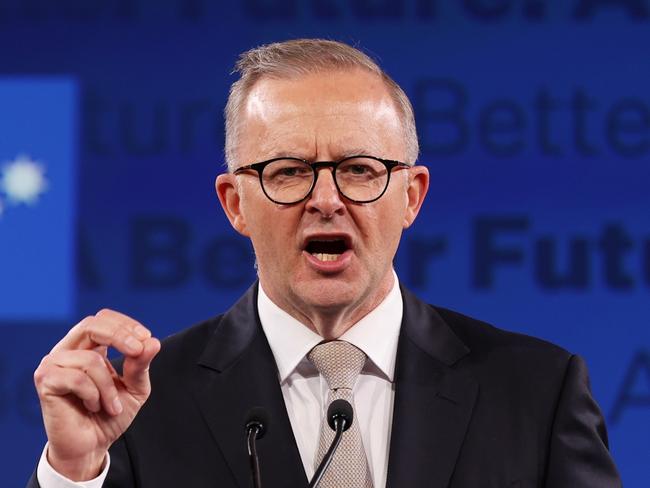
<point x="356" y="152"/>
<point x="342" y="155"/>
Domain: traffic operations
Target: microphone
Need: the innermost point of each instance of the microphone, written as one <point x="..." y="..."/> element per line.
<point x="257" y="423"/>
<point x="339" y="418"/>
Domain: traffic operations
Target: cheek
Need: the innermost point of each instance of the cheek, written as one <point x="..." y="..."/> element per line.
<point x="272" y="231"/>
<point x="389" y="224"/>
<point x="380" y="228"/>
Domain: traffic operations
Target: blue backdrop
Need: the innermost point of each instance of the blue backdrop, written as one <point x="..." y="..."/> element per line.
<point x="534" y="119"/>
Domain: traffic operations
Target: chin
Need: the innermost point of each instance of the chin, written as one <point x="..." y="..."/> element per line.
<point x="328" y="292"/>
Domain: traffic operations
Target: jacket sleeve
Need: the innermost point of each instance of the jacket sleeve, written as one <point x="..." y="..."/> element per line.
<point x="579" y="455"/>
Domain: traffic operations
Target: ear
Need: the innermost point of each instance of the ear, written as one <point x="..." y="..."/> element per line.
<point x="418" y="185"/>
<point x="228" y="193"/>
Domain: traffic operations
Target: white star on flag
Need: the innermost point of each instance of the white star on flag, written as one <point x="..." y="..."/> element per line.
<point x="23" y="180"/>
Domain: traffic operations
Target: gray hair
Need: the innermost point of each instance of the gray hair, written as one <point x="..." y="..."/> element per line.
<point x="299" y="57"/>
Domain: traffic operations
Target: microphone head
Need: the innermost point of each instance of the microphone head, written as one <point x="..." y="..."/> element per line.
<point x="340" y="410"/>
<point x="257" y="418"/>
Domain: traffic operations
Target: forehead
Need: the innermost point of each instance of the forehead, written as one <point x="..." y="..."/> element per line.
<point x="327" y="114"/>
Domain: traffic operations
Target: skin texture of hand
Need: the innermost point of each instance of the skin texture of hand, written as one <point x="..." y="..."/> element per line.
<point x="86" y="406"/>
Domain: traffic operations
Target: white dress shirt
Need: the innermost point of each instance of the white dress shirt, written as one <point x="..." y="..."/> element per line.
<point x="305" y="391"/>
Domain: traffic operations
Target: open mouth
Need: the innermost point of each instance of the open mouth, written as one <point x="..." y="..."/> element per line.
<point x="327" y="249"/>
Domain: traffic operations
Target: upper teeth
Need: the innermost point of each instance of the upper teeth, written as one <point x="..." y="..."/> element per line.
<point x="321" y="256"/>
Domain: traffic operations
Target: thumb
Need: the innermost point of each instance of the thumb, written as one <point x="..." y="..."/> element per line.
<point x="135" y="370"/>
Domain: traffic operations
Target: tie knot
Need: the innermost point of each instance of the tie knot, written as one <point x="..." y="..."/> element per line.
<point x="339" y="362"/>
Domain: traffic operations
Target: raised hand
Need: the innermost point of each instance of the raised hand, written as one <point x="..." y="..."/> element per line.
<point x="86" y="406"/>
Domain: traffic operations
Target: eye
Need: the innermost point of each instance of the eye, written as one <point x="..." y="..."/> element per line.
<point x="294" y="171"/>
<point x="289" y="171"/>
<point x="361" y="168"/>
<point x="358" y="169"/>
<point x="283" y="169"/>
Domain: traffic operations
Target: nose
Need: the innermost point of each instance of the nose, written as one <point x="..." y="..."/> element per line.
<point x="325" y="197"/>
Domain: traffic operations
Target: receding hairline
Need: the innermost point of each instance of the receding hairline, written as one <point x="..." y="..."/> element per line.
<point x="320" y="71"/>
<point x="291" y="60"/>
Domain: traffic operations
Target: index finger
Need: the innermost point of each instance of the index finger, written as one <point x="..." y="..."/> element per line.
<point x="119" y="318"/>
<point x="96" y="331"/>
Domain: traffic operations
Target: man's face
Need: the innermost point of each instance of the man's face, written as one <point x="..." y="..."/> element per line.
<point x="324" y="116"/>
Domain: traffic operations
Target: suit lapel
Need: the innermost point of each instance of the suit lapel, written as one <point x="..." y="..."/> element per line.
<point x="433" y="401"/>
<point x="235" y="373"/>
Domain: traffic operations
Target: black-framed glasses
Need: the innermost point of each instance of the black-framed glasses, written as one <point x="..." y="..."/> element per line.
<point x="360" y="179"/>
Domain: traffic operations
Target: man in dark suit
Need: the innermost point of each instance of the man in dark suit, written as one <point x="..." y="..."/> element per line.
<point x="321" y="146"/>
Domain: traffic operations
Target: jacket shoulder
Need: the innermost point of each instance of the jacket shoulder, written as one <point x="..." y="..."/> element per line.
<point x="479" y="335"/>
<point x="490" y="345"/>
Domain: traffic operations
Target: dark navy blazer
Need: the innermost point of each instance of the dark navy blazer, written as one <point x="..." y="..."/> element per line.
<point x="475" y="407"/>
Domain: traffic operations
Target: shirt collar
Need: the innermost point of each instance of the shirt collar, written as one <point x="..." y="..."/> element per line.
<point x="376" y="334"/>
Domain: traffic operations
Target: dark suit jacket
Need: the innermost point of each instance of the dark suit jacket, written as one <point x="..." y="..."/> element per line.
<point x="475" y="407"/>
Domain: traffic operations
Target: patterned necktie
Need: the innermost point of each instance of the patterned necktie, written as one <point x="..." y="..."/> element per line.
<point x="340" y="364"/>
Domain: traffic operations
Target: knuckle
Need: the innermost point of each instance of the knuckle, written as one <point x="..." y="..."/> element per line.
<point x="95" y="360"/>
<point x="47" y="382"/>
<point x="104" y="312"/>
<point x="126" y="322"/>
<point x="101" y="330"/>
<point x="120" y="335"/>
<point x="86" y="320"/>
<point x="79" y="381"/>
<point x="39" y="376"/>
<point x="41" y="372"/>
<point x="85" y="324"/>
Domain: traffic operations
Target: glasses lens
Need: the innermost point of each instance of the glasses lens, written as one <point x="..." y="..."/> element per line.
<point x="287" y="180"/>
<point x="361" y="179"/>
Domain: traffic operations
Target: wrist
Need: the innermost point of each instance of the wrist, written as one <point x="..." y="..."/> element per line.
<point x="77" y="469"/>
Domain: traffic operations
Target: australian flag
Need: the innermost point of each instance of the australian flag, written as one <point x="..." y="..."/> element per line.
<point x="38" y="146"/>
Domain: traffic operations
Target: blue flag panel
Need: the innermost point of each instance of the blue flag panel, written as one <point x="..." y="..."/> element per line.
<point x="38" y="138"/>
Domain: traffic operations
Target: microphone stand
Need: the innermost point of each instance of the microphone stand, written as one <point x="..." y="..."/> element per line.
<point x="252" y="455"/>
<point x="256" y="426"/>
<point x="339" y="425"/>
<point x="339" y="418"/>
